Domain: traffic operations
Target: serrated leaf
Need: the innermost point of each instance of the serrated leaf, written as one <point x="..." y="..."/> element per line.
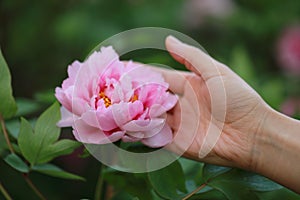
<point x="17" y="163"/>
<point x="40" y="145"/>
<point x="55" y="171"/>
<point x="169" y="182"/>
<point x="8" y="106"/>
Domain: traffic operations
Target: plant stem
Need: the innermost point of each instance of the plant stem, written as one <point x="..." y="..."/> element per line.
<point x="27" y="179"/>
<point x="4" y="192"/>
<point x="6" y="135"/>
<point x="195" y="191"/>
<point x="99" y="185"/>
<point x="33" y="187"/>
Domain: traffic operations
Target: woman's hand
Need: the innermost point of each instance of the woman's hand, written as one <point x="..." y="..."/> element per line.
<point x="221" y="120"/>
<point x="218" y="114"/>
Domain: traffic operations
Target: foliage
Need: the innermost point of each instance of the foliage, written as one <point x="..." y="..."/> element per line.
<point x="40" y="38"/>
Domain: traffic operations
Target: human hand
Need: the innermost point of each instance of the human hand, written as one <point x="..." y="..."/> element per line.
<point x="218" y="115"/>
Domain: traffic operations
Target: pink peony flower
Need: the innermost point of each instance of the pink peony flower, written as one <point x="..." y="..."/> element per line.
<point x="288" y="50"/>
<point x="106" y="100"/>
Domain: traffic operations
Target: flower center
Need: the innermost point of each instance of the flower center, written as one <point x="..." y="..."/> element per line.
<point x="134" y="98"/>
<point x="107" y="101"/>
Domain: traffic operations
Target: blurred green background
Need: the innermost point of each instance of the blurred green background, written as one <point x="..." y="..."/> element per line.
<point x="39" y="39"/>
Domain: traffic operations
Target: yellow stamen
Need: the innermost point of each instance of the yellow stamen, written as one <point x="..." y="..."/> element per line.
<point x="107" y="101"/>
<point x="134" y="98"/>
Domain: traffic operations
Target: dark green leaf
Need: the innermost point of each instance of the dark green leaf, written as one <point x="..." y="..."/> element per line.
<point x="17" y="163"/>
<point x="169" y="182"/>
<point x="211" y="171"/>
<point x="41" y="145"/>
<point x="283" y="193"/>
<point x="55" y="171"/>
<point x="242" y="181"/>
<point x="134" y="184"/>
<point x="257" y="182"/>
<point x="233" y="190"/>
<point x="249" y="180"/>
<point x="210" y="194"/>
<point x="192" y="170"/>
<point x="8" y="106"/>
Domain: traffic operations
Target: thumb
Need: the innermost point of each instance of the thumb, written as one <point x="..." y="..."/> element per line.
<point x="193" y="58"/>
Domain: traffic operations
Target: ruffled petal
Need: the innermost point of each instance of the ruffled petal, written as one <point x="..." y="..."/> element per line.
<point x="92" y="135"/>
<point x="67" y="118"/>
<point x="124" y="112"/>
<point x="143" y="125"/>
<point x="160" y="139"/>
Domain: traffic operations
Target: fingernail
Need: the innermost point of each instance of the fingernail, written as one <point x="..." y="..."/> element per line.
<point x="173" y="39"/>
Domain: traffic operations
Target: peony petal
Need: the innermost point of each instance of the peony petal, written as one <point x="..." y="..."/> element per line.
<point x="162" y="138"/>
<point x="128" y="138"/>
<point x="91" y="135"/>
<point x="67" y="118"/>
<point x="90" y="118"/>
<point x="143" y="125"/>
<point x="144" y="76"/>
<point x="124" y="112"/>
<point x="106" y="120"/>
<point x="157" y="110"/>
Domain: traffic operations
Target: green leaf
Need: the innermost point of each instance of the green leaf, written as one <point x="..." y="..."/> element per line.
<point x="257" y="182"/>
<point x="212" y="171"/>
<point x="210" y="194"/>
<point x="192" y="170"/>
<point x="135" y="184"/>
<point x="55" y="171"/>
<point x="62" y="147"/>
<point x="244" y="182"/>
<point x="233" y="190"/>
<point x="40" y="145"/>
<point x="169" y="182"/>
<point x="27" y="145"/>
<point x="283" y="193"/>
<point x="17" y="163"/>
<point x="8" y="106"/>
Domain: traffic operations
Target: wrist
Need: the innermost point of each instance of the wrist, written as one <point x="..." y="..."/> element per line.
<point x="276" y="149"/>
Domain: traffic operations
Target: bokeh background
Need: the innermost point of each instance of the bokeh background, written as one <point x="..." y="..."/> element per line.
<point x="260" y="40"/>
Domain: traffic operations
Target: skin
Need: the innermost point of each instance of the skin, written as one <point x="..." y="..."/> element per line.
<point x="220" y="119"/>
